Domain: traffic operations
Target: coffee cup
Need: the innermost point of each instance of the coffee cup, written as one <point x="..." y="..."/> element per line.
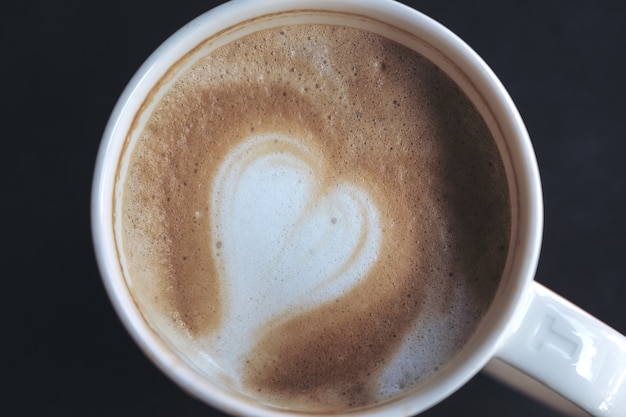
<point x="328" y="207"/>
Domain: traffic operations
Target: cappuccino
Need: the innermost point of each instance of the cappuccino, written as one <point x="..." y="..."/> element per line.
<point x="315" y="214"/>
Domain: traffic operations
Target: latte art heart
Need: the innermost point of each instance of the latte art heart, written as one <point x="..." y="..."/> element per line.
<point x="284" y="237"/>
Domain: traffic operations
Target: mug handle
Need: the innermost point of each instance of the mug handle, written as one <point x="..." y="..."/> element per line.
<point x="562" y="356"/>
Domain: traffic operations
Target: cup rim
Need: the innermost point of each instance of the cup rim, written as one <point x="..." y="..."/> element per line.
<point x="529" y="201"/>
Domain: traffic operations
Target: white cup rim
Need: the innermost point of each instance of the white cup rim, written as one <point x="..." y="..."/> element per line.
<point x="529" y="201"/>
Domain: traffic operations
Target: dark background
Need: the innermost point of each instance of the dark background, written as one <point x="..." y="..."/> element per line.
<point x="63" y="65"/>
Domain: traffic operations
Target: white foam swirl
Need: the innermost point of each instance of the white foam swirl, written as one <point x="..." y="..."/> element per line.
<point x="284" y="236"/>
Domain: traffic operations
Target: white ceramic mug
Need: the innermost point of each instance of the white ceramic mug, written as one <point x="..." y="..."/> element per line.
<point x="530" y="338"/>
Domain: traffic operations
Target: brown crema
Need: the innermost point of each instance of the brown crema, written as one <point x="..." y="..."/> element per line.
<point x="384" y="119"/>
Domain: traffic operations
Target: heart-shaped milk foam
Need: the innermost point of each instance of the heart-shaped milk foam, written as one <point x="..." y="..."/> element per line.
<point x="285" y="235"/>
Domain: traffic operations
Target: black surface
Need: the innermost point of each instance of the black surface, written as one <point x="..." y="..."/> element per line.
<point x="63" y="65"/>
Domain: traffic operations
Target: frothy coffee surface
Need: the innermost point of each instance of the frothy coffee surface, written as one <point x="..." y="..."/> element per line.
<point x="316" y="215"/>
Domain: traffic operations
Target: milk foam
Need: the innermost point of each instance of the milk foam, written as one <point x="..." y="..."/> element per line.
<point x="432" y="341"/>
<point x="315" y="216"/>
<point x="284" y="238"/>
